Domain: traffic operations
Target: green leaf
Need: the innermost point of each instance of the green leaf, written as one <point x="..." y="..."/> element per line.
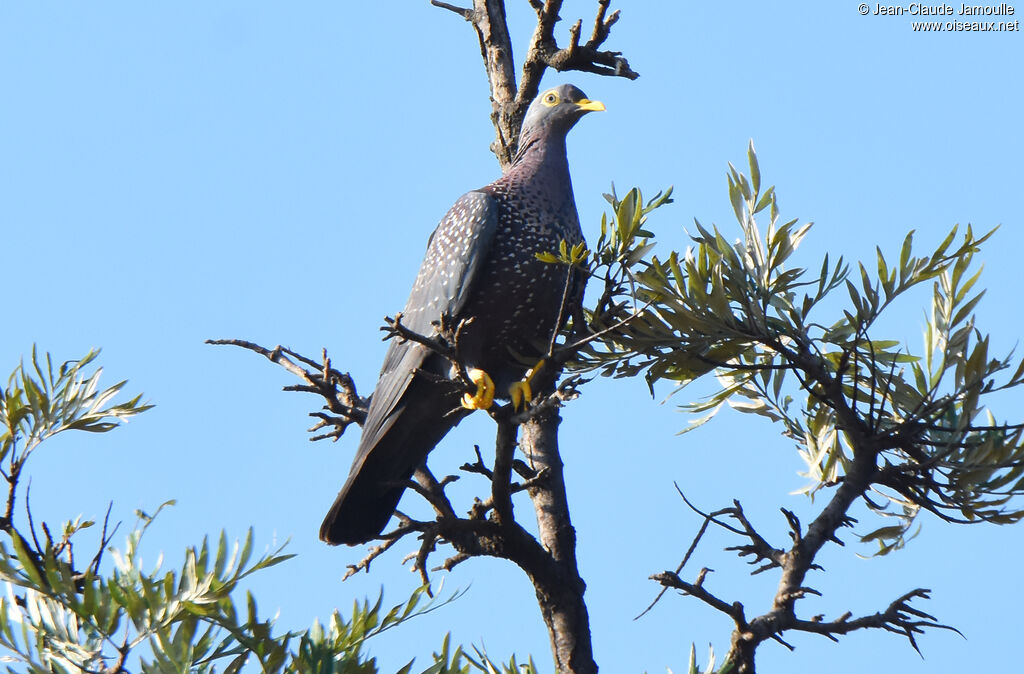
<point x="755" y="170"/>
<point x="766" y="199"/>
<point x="736" y="197"/>
<point x="28" y="563"/>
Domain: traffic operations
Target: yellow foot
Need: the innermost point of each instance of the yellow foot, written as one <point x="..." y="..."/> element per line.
<point x="520" y="392"/>
<point x="484" y="396"/>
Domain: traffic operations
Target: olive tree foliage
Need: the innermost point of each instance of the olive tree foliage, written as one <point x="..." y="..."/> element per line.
<point x="103" y="612"/>
<point x="899" y="428"/>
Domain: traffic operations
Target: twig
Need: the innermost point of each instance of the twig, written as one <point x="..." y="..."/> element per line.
<point x="669" y="579"/>
<point x="394" y="329"/>
<point x="28" y="515"/>
<point x="602" y="26"/>
<point x="336" y="388"/>
<point x="373" y="553"/>
<point x="563" y="307"/>
<point x="104" y="540"/>
<point x="900" y="618"/>
<point x="569" y="350"/>
<point x="433" y="491"/>
<point x="708" y="519"/>
<point x="478" y="466"/>
<point x="464" y="12"/>
<point x="759" y="547"/>
<point x="451" y="562"/>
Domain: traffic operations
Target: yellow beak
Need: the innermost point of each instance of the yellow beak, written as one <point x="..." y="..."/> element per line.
<point x="589" y="105"/>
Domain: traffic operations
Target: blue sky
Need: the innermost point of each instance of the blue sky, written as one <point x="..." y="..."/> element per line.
<point x="172" y="172"/>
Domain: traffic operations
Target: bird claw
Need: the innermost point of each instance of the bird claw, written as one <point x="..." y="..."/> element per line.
<point x="484" y="396"/>
<point x="520" y="392"/>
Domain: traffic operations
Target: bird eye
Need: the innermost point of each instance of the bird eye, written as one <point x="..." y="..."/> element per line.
<point x="551" y="98"/>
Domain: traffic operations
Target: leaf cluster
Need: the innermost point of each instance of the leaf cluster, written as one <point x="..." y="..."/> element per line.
<point x="58" y="617"/>
<point x="41" y="401"/>
<point x="837" y="386"/>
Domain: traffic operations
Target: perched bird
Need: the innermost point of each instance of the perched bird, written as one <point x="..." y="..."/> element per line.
<point x="480" y="267"/>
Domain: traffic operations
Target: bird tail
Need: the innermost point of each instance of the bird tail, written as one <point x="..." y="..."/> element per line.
<point x="389" y="451"/>
<point x="364" y="506"/>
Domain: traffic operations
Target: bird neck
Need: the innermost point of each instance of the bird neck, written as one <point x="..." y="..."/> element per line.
<point x="541" y="158"/>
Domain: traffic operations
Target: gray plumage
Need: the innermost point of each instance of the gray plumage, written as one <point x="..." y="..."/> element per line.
<point x="481" y="264"/>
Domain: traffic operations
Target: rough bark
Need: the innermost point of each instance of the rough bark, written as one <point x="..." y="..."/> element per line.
<point x="560" y="592"/>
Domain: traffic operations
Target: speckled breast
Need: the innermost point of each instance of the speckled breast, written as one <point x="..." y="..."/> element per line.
<point x="518" y="300"/>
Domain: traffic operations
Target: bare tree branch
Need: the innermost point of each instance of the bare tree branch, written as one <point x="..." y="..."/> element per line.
<point x="510" y="101"/>
<point x="336" y="388"/>
<point x="696" y="589"/>
<point x="794" y="563"/>
<point x="900" y="617"/>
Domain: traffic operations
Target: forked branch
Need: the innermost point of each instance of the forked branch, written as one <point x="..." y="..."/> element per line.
<point x="510" y="100"/>
<point x="343" y="404"/>
<point x="899" y="617"/>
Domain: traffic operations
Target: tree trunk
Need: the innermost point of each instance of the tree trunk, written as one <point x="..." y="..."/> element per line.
<point x="559" y="588"/>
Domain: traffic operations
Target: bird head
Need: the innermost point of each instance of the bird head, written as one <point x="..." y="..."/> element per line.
<point x="556" y="110"/>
